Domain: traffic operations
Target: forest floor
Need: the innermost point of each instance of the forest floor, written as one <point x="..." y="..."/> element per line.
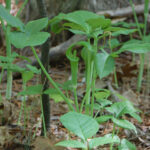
<point x="26" y="135"/>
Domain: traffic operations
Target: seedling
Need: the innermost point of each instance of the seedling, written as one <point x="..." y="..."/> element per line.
<point x="117" y="111"/>
<point x="85" y="127"/>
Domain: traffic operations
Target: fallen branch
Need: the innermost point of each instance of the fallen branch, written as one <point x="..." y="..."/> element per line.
<point x="122" y="12"/>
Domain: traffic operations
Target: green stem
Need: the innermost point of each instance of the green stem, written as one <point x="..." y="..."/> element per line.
<point x="8" y="51"/>
<point x="84" y="100"/>
<point x="93" y="92"/>
<point x="9" y="72"/>
<point x="136" y="19"/>
<point x="145" y="15"/>
<point x="51" y="80"/>
<point x="44" y="125"/>
<point x="93" y="76"/>
<point x="21" y="8"/>
<point x="148" y="76"/>
<point x="142" y="56"/>
<point x="76" y="99"/>
<point x="115" y="78"/>
<point x="141" y="69"/>
<point x="88" y="82"/>
<point x="113" y="133"/>
<point x="8" y="5"/>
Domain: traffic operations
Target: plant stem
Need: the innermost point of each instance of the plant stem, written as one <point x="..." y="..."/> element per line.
<point x="83" y="101"/>
<point x="43" y="120"/>
<point x="136" y="19"/>
<point x="113" y="133"/>
<point x="8" y="53"/>
<point x="21" y="8"/>
<point x="51" y="80"/>
<point x="8" y="5"/>
<point x="141" y="69"/>
<point x="145" y="15"/>
<point x="9" y="72"/>
<point x="94" y="75"/>
<point x="93" y="92"/>
<point x="76" y="99"/>
<point x="115" y="78"/>
<point x="142" y="56"/>
<point x="88" y="82"/>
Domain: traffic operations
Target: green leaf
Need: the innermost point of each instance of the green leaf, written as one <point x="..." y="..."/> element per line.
<point x="104" y="102"/>
<point x="33" y="69"/>
<point x="124" y="124"/>
<point x="6" y="59"/>
<point x="78" y="22"/>
<point x="122" y="108"/>
<point x="71" y="143"/>
<point x="136" y="116"/>
<point x="12" y="67"/>
<point x="67" y="85"/>
<point x="114" y="43"/>
<point x="11" y="20"/>
<point x="27" y="75"/>
<point x="9" y="59"/>
<point x="126" y="145"/>
<point x="102" y="95"/>
<point x="81" y="125"/>
<point x="135" y="46"/>
<point x="32" y="90"/>
<point x="127" y="25"/>
<point x="107" y="139"/>
<point x="97" y="107"/>
<point x="77" y="32"/>
<point x="116" y="31"/>
<point x="21" y="40"/>
<point x="81" y="16"/>
<point x="99" y="22"/>
<point x="75" y="28"/>
<point x="146" y="38"/>
<point x="36" y="25"/>
<point x="104" y="118"/>
<point x="55" y="95"/>
<point x="124" y="32"/>
<point x="104" y="64"/>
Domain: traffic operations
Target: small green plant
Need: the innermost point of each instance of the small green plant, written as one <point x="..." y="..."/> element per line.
<point x="117" y="112"/>
<point x="85" y="127"/>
